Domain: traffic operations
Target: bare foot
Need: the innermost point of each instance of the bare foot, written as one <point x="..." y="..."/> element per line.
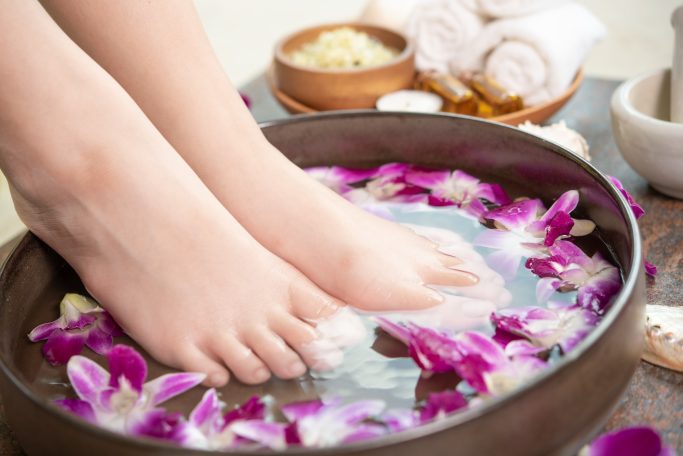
<point x="368" y="262"/>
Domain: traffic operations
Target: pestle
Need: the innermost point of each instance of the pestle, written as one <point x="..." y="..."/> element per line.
<point x="677" y="67"/>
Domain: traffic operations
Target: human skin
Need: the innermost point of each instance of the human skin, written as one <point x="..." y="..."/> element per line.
<point x="93" y="178"/>
<point x="159" y="53"/>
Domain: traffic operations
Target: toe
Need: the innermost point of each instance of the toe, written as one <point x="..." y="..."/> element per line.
<point x="310" y="302"/>
<point x="299" y="335"/>
<point x="242" y="361"/>
<point x="440" y="275"/>
<point x="194" y="360"/>
<point x="275" y="352"/>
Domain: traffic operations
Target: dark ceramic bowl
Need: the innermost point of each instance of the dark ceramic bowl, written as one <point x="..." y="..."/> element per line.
<point x="554" y="414"/>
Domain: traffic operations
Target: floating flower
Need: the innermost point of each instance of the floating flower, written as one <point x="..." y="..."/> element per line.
<point x="317" y="424"/>
<point x="120" y="400"/>
<point x="525" y="228"/>
<point x="631" y="441"/>
<point x="340" y="179"/>
<point x="81" y="323"/>
<point x="568" y="267"/>
<point x="638" y="212"/>
<point x="637" y="209"/>
<point x="457" y="188"/>
<point x="563" y="326"/>
<point x="475" y="357"/>
<point x="439" y="405"/>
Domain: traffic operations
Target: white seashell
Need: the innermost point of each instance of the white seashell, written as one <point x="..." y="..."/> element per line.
<point x="664" y="336"/>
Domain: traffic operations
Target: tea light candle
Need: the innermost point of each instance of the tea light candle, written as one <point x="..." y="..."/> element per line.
<point x="410" y="100"/>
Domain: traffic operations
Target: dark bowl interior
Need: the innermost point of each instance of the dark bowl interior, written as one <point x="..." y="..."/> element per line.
<point x="554" y="414"/>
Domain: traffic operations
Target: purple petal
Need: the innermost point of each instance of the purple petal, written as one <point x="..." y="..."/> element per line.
<point x="521" y="347"/>
<point x="267" y="434"/>
<point x="479" y="354"/>
<point x="427" y="179"/>
<point x="632" y="441"/>
<point x="560" y="225"/>
<point x="107" y="324"/>
<point x="504" y="263"/>
<point x="99" y="341"/>
<point x="441" y="404"/>
<point x="518" y="215"/>
<point x="439" y="202"/>
<point x="127" y="362"/>
<point x="400" y="420"/>
<point x="546" y="287"/>
<point x="246" y="100"/>
<point x="566" y="203"/>
<point x="253" y="409"/>
<point x="207" y="410"/>
<point x="638" y="211"/>
<point x="504" y="338"/>
<point x="44" y="330"/>
<point x="167" y="386"/>
<point x="550" y="266"/>
<point x="79" y="408"/>
<point x="395" y="330"/>
<point x="495" y="194"/>
<point x="158" y="424"/>
<point x="61" y="346"/>
<point x="650" y="268"/>
<point x="432" y="350"/>
<point x="296" y="411"/>
<point x="365" y="432"/>
<point x="87" y="378"/>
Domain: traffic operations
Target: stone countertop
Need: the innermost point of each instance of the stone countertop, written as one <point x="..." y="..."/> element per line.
<point x="655" y="395"/>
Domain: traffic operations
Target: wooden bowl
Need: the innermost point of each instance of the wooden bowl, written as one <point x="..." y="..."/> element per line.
<point x="354" y="88"/>
<point x="536" y="114"/>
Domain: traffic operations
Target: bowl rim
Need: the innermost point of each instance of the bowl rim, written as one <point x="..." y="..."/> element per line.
<point x="281" y="57"/>
<point x="622" y="107"/>
<point x="620" y="302"/>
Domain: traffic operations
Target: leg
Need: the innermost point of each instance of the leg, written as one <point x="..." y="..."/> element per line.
<point x="368" y="262"/>
<point x="93" y="178"/>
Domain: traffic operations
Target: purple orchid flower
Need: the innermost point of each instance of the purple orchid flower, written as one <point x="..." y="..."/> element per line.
<point x="120" y="400"/>
<point x="212" y="429"/>
<point x="563" y="326"/>
<point x="568" y="267"/>
<point x="525" y="228"/>
<point x="81" y="323"/>
<point x="340" y="179"/>
<point x="475" y="357"/>
<point x="631" y="441"/>
<point x="638" y="211"/>
<point x="457" y="188"/>
<point x="438" y="405"/>
<point x="316" y="424"/>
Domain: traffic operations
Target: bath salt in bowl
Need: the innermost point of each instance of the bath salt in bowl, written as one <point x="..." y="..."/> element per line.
<point x="515" y="403"/>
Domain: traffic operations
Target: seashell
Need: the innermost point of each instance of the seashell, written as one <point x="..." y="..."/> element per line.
<point x="664" y="336"/>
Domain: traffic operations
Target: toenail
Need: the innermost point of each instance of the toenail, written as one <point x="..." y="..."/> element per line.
<point x="297" y="368"/>
<point x="261" y="374"/>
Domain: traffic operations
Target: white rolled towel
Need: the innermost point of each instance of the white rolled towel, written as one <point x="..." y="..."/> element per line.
<point x="442" y="31"/>
<point x="391" y="14"/>
<point x="510" y="8"/>
<point x="536" y="56"/>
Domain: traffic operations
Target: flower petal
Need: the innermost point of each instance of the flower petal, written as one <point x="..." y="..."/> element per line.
<point x="631" y="441"/>
<point x="296" y="411"/>
<point x="364" y="432"/>
<point x="637" y="209"/>
<point x="207" y="410"/>
<point x="253" y="409"/>
<point x="158" y="424"/>
<point x="267" y="434"/>
<point x="87" y="378"/>
<point x="79" y="408"/>
<point x="99" y="341"/>
<point x="518" y="215"/>
<point x="545" y="288"/>
<point x="650" y="268"/>
<point x="438" y="405"/>
<point x="127" y="362"/>
<point x="61" y="346"/>
<point x="398" y="420"/>
<point x="167" y="386"/>
<point x="44" y="330"/>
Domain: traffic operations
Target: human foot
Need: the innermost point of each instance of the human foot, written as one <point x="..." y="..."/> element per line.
<point x="96" y="181"/>
<point x="370" y="263"/>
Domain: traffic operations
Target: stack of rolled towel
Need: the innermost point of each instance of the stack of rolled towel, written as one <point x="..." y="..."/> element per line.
<point x="531" y="47"/>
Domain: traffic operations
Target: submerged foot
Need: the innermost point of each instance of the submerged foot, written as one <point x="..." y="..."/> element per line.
<point x="368" y="262"/>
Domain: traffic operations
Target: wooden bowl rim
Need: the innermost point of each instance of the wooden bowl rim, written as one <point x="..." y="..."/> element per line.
<point x="297" y="107"/>
<point x="281" y="57"/>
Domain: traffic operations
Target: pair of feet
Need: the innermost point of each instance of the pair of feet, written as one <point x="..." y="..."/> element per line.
<point x="244" y="286"/>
